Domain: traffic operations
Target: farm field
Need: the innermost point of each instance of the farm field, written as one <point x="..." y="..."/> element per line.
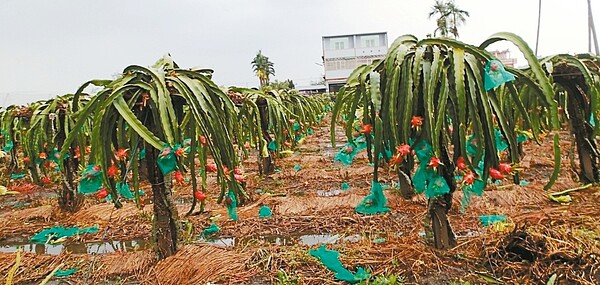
<point x="313" y="202"/>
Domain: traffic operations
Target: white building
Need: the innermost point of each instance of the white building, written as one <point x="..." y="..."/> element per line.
<point x="343" y="53"/>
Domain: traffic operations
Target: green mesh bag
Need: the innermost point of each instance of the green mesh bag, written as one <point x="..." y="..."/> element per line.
<point x="346" y="154"/>
<point x="212" y="229"/>
<point x="57" y="232"/>
<point x="90" y="180"/>
<point x="65" y="273"/>
<point x="487" y="220"/>
<point x="272" y="146"/>
<point x="495" y="75"/>
<point x="310" y="131"/>
<point x="296" y="126"/>
<point x="330" y="258"/>
<point x="374" y="203"/>
<point x="18" y="176"/>
<point x="501" y="144"/>
<point x="8" y="146"/>
<point x="265" y="212"/>
<point x="124" y="190"/>
<point x="232" y="206"/>
<point x="472" y="145"/>
<point x="436" y="186"/>
<point x="422" y="175"/>
<point x="167" y="161"/>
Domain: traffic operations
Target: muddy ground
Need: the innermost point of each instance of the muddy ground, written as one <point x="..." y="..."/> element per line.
<point x="539" y="239"/>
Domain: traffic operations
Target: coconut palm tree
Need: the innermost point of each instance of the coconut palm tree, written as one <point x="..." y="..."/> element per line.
<point x="450" y="17"/>
<point x="263" y="68"/>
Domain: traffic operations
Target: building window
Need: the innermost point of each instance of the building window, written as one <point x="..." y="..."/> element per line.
<point x="339" y="44"/>
<point x="369" y="41"/>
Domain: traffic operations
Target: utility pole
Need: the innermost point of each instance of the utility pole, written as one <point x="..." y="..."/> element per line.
<point x="537" y="37"/>
<point x="591" y="30"/>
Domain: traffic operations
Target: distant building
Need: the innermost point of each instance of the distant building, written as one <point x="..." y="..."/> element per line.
<point x="504" y="57"/>
<point x="312" y="89"/>
<point x="343" y="53"/>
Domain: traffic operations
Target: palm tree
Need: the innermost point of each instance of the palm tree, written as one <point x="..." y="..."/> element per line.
<point x="457" y="16"/>
<point x="450" y="17"/>
<point x="263" y="68"/>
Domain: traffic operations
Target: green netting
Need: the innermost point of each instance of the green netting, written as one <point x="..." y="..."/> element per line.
<point x="272" y="146"/>
<point x="521" y="138"/>
<point x="345" y="186"/>
<point x="167" y="161"/>
<point x="487" y="220"/>
<point x="57" y="232"/>
<point x="124" y="190"/>
<point x="54" y="155"/>
<point x="297" y="167"/>
<point x="143" y="153"/>
<point x="65" y="273"/>
<point x="523" y="183"/>
<point x="437" y="186"/>
<point x="265" y="212"/>
<point x="374" y="203"/>
<point x="345" y="156"/>
<point x="232" y="206"/>
<point x="422" y="175"/>
<point x="423" y="151"/>
<point x="310" y="131"/>
<point x="495" y="75"/>
<point x="469" y="191"/>
<point x="90" y="180"/>
<point x="472" y="145"/>
<point x="18" y="176"/>
<point x="296" y="126"/>
<point x="330" y="258"/>
<point x="379" y="240"/>
<point x="501" y="144"/>
<point x="212" y="229"/>
<point x="8" y="146"/>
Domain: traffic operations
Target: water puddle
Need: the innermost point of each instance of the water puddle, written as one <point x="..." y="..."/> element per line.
<point x="76" y="248"/>
<point x="299" y="239"/>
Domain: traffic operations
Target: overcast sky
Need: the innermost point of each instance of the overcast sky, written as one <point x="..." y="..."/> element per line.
<point x="51" y="47"/>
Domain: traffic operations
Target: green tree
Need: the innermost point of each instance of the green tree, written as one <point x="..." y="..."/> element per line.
<point x="450" y="17"/>
<point x="263" y="68"/>
<point x="428" y="95"/>
<point x="143" y="117"/>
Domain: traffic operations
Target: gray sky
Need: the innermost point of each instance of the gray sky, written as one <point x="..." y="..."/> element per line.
<point x="51" y="47"/>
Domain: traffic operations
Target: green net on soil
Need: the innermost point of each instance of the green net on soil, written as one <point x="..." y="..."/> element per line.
<point x="18" y="176"/>
<point x="167" y="162"/>
<point x="265" y="212"/>
<point x="90" y="180"/>
<point x="495" y="75"/>
<point x="58" y="232"/>
<point x="212" y="229"/>
<point x="65" y="273"/>
<point x="232" y="205"/>
<point x="330" y="258"/>
<point x="349" y="151"/>
<point x="487" y="220"/>
<point x="374" y="203"/>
